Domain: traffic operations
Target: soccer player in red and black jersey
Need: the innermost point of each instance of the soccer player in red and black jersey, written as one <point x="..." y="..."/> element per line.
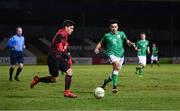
<point x="59" y="59"/>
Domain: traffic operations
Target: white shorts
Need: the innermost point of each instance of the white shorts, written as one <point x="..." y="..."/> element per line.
<point x="113" y="58"/>
<point x="142" y="60"/>
<point x="154" y="58"/>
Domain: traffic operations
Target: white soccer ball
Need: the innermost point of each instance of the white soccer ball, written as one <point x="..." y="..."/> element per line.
<point x="99" y="92"/>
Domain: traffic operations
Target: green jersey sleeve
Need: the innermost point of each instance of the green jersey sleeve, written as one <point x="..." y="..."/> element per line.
<point x="137" y="44"/>
<point x="124" y="36"/>
<point x="147" y="43"/>
<point x="102" y="41"/>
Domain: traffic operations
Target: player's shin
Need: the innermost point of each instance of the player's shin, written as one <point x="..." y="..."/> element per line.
<point x="11" y="70"/>
<point x="17" y="73"/>
<point x="115" y="79"/>
<point x="158" y="64"/>
<point x="48" y="79"/>
<point x="151" y="63"/>
<point x="141" y="69"/>
<point x="106" y="81"/>
<point x="68" y="82"/>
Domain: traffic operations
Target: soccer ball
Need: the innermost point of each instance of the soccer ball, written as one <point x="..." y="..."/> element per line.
<point x="99" y="92"/>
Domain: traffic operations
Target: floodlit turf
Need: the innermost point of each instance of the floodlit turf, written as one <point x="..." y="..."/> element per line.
<point x="159" y="88"/>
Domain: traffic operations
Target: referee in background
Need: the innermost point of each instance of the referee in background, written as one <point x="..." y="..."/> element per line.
<point x="16" y="44"/>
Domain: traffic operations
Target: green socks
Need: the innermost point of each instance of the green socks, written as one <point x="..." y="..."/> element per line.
<point x="115" y="80"/>
<point x="139" y="70"/>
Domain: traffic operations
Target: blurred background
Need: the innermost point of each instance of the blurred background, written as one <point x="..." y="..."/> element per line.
<point x="40" y="20"/>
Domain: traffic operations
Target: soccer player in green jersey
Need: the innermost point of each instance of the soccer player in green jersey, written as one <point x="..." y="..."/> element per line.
<point x="154" y="56"/>
<point x="142" y="47"/>
<point x="113" y="42"/>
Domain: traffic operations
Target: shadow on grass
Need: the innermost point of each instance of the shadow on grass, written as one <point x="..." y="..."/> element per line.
<point x="82" y="92"/>
<point x="20" y="96"/>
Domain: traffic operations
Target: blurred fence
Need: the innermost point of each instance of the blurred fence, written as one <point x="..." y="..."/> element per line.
<point x="85" y="38"/>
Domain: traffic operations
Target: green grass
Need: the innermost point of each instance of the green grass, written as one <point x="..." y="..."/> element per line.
<point x="158" y="89"/>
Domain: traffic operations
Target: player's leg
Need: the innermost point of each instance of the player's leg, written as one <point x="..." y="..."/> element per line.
<point x="53" y="70"/>
<point x="115" y="76"/>
<point x="12" y="65"/>
<point x="152" y="60"/>
<point x="11" y="70"/>
<point x="157" y="61"/>
<point x="142" y="63"/>
<point x="106" y="81"/>
<point x="65" y="67"/>
<point x="20" y="60"/>
<point x="120" y="63"/>
<point x="20" y="67"/>
<point x="139" y="65"/>
<point x="112" y="59"/>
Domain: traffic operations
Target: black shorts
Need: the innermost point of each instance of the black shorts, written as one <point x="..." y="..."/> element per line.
<point x="55" y="65"/>
<point x="16" y="57"/>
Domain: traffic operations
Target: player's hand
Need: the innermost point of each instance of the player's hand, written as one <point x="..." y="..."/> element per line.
<point x="96" y="51"/>
<point x="14" y="47"/>
<point x="133" y="44"/>
<point x="139" y="50"/>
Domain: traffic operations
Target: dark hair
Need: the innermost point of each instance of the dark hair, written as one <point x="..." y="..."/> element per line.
<point x="68" y="23"/>
<point x="142" y="33"/>
<point x="113" y="21"/>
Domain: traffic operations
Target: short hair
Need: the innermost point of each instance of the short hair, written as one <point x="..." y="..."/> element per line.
<point x="18" y="27"/>
<point x="113" y="21"/>
<point x="142" y="33"/>
<point x="68" y="23"/>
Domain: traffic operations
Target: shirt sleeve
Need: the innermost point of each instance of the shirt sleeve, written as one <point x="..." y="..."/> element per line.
<point x="23" y="42"/>
<point x="10" y="43"/>
<point x="103" y="40"/>
<point x="59" y="38"/>
<point x="147" y="43"/>
<point x="137" y="44"/>
<point x="124" y="37"/>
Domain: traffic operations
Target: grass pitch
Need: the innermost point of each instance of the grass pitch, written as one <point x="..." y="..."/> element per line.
<point x="158" y="89"/>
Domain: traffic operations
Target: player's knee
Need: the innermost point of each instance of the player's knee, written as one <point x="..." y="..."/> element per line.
<point x="13" y="66"/>
<point x="116" y="66"/>
<point x="119" y="66"/>
<point x="20" y="65"/>
<point x="115" y="72"/>
<point x="142" y="65"/>
<point x="69" y="72"/>
<point x="53" y="79"/>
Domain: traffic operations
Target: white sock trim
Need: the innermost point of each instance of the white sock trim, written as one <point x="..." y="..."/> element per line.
<point x="115" y="72"/>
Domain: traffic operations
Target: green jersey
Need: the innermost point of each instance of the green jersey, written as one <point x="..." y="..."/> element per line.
<point x="143" y="46"/>
<point x="114" y="43"/>
<point x="154" y="51"/>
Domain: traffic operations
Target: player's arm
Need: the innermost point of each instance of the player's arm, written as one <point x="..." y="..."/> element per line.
<point x="98" y="46"/>
<point x="136" y="47"/>
<point x="11" y="43"/>
<point x="59" y="45"/>
<point x="128" y="42"/>
<point x="24" y="46"/>
<point x="61" y="48"/>
<point x="148" y="50"/>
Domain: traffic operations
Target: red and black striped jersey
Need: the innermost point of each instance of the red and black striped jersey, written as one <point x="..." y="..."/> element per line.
<point x="59" y="43"/>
